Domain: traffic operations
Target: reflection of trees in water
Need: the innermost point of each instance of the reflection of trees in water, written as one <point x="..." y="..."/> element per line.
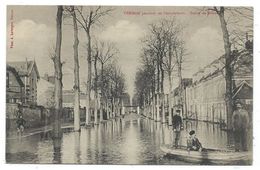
<point x="162" y="134"/>
<point x="56" y="150"/>
<point x="209" y="134"/>
<point x="157" y="132"/>
<point x="108" y="142"/>
<point x="96" y="151"/>
<point x="77" y="147"/>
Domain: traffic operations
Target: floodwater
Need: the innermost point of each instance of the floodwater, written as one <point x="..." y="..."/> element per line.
<point x="132" y="140"/>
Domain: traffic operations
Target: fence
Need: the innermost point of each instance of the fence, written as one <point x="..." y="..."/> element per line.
<point x="36" y="116"/>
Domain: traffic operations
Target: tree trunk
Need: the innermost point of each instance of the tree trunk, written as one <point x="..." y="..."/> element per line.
<point x="102" y="91"/>
<point x="228" y="69"/>
<point x="154" y="107"/>
<point x="163" y="109"/>
<point x="96" y="112"/>
<point x="76" y="74"/>
<point x="170" y="100"/>
<point x="96" y="92"/>
<point x="113" y="107"/>
<point x="157" y="107"/>
<point x="170" y="85"/>
<point x="180" y="86"/>
<point x="185" y="109"/>
<point x="57" y="133"/>
<point x="88" y="111"/>
<point x="107" y="110"/>
<point x="101" y="110"/>
<point x="162" y="76"/>
<point x="158" y="75"/>
<point x="161" y="98"/>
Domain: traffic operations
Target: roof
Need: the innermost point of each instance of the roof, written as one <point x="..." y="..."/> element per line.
<point x="50" y="79"/>
<point x="186" y="83"/>
<point x="13" y="70"/>
<point x="243" y="65"/>
<point x="243" y="91"/>
<point x="24" y="68"/>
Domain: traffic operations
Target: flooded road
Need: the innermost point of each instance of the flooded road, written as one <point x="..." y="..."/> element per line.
<point x="132" y="140"/>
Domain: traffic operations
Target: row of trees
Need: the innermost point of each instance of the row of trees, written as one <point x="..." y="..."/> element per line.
<point x="164" y="52"/>
<point x="162" y="55"/>
<point x="106" y="80"/>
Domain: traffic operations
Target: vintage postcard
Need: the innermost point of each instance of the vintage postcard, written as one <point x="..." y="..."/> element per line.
<point x="129" y="85"/>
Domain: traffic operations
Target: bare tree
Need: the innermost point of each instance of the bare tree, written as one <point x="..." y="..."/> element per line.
<point x="106" y="50"/>
<point x="58" y="76"/>
<point x="155" y="43"/>
<point x="239" y="24"/>
<point x="76" y="86"/>
<point x="165" y="46"/>
<point x="228" y="70"/>
<point x="179" y="51"/>
<point x="114" y="85"/>
<point x="172" y="33"/>
<point x="96" y="87"/>
<point x="236" y="24"/>
<point x="87" y="18"/>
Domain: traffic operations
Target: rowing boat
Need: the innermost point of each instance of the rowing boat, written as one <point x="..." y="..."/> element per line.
<point x="209" y="156"/>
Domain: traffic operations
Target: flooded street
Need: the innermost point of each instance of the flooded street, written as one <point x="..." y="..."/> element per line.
<point x="132" y="140"/>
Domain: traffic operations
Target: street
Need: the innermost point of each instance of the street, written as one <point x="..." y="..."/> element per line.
<point x="132" y="140"/>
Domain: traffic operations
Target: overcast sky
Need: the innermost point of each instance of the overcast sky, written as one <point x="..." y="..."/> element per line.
<point x="35" y="31"/>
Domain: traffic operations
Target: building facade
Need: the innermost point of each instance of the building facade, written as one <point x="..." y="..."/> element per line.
<point x="68" y="99"/>
<point x="14" y="86"/>
<point x="28" y="73"/>
<point x="179" y="101"/>
<point x="45" y="93"/>
<point x="205" y="97"/>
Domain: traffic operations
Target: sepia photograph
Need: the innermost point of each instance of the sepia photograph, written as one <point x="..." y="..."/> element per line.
<point x="129" y="85"/>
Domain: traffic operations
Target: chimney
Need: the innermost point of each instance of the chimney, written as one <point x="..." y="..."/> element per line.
<point x="26" y="63"/>
<point x="248" y="44"/>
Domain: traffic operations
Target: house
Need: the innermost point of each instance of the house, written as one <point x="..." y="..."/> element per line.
<point x="45" y="93"/>
<point x="68" y="99"/>
<point x="177" y="99"/>
<point x="14" y="86"/>
<point x="49" y="78"/>
<point x="126" y="99"/>
<point x="29" y="74"/>
<point x="205" y="97"/>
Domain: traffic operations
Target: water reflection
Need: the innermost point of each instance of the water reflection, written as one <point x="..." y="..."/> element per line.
<point x="77" y="147"/>
<point x="132" y="140"/>
<point x="56" y="150"/>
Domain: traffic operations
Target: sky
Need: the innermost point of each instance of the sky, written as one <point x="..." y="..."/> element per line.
<point x="34" y="32"/>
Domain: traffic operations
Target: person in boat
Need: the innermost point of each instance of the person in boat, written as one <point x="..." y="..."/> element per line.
<point x="240" y="126"/>
<point x="193" y="142"/>
<point x="177" y="124"/>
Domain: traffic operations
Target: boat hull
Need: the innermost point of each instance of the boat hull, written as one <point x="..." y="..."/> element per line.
<point x="209" y="157"/>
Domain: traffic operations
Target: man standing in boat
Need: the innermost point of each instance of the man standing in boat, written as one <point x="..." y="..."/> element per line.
<point x="177" y="124"/>
<point x="240" y="125"/>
